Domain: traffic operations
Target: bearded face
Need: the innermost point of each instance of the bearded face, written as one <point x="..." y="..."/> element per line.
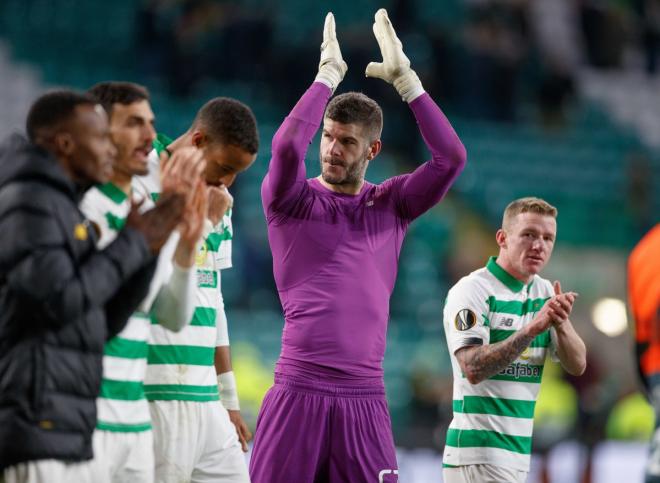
<point x="344" y="153"/>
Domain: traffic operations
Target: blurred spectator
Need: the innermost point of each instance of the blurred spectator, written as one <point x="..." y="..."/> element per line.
<point x="603" y="33"/>
<point x="430" y="409"/>
<point x="640" y="192"/>
<point x="649" y="17"/>
<point x="554" y="95"/>
<point x="495" y="42"/>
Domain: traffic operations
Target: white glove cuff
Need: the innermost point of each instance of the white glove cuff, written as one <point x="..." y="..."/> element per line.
<point x="408" y="86"/>
<point x="330" y="74"/>
<point x="228" y="391"/>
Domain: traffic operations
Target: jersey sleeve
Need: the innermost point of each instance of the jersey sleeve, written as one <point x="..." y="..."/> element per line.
<point x="285" y="180"/>
<point x="466" y="316"/>
<point x="423" y="188"/>
<point x="552" y="348"/>
<point x="222" y="331"/>
<point x="224" y="231"/>
<point x="148" y="187"/>
<point x="91" y="207"/>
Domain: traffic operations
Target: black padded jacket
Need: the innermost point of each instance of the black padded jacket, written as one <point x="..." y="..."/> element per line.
<point x="60" y="300"/>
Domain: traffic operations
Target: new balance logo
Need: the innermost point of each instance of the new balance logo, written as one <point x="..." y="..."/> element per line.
<point x="508" y="321"/>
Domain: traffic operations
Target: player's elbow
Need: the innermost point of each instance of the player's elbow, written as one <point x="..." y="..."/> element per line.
<point x="473" y="377"/>
<point x="459" y="158"/>
<point x="577" y="368"/>
<point x="284" y="146"/>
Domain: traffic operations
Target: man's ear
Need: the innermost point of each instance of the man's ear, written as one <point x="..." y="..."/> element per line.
<point x="198" y="138"/>
<point x="64" y="143"/>
<point x="501" y="238"/>
<point x="374" y="149"/>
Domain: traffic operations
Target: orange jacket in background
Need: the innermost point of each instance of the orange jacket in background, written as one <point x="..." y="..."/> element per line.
<point x="644" y="299"/>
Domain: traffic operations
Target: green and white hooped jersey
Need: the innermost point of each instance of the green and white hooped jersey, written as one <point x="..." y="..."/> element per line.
<point x="493" y="420"/>
<point x="121" y="405"/>
<point x="181" y="365"/>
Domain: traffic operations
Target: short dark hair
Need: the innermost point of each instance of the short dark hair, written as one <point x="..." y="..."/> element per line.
<point x="110" y="93"/>
<point x="229" y="121"/>
<point x="357" y="108"/>
<point x="53" y="108"/>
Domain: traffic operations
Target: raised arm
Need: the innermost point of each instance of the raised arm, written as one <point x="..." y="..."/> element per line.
<point x="424" y="187"/>
<point x="286" y="172"/>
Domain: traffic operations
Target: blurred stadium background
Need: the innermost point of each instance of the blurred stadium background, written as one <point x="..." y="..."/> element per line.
<point x="553" y="98"/>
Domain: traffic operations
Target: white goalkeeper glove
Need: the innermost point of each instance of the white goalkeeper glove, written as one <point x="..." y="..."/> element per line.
<point x="395" y="67"/>
<point x="332" y="66"/>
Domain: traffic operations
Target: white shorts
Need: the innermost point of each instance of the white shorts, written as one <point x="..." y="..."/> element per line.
<point x="54" y="471"/>
<point x="482" y="474"/>
<point x="196" y="442"/>
<point x="124" y="457"/>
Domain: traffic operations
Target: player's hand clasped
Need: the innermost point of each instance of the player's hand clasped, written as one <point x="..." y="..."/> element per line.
<point x="220" y="200"/>
<point x="157" y="223"/>
<point x="561" y="305"/>
<point x="395" y="67"/>
<point x="556" y="311"/>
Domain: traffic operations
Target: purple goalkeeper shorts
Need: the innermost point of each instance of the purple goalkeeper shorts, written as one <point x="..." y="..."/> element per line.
<point x="319" y="432"/>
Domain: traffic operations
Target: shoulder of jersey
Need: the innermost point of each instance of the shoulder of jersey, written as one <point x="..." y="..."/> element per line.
<point x="477" y="280"/>
<point x="91" y="198"/>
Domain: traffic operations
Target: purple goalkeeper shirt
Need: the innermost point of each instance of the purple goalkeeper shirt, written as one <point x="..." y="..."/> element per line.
<point x="335" y="255"/>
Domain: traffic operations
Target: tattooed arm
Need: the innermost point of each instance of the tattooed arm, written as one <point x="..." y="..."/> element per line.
<point x="479" y="362"/>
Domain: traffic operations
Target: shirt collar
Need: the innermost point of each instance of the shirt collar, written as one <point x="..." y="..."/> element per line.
<point x="161" y="143"/>
<point x="511" y="282"/>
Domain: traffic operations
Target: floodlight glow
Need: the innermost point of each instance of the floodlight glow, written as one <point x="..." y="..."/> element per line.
<point x="610" y="317"/>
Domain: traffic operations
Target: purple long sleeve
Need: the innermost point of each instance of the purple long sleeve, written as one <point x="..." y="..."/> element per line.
<point x="426" y="186"/>
<point x="335" y="256"/>
<point x="286" y="173"/>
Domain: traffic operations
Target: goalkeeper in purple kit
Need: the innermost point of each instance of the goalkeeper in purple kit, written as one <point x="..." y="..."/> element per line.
<point x="336" y="240"/>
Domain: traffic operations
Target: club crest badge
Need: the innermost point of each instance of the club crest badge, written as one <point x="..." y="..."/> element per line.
<point x="200" y="258"/>
<point x="465" y="319"/>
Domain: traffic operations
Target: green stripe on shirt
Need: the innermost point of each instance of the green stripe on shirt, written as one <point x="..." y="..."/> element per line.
<point x="515" y="307"/>
<point x="115" y="223"/>
<point x="181" y="354"/>
<point x="498" y="335"/>
<point x="126" y="348"/>
<point x="113" y="192"/>
<point x="123" y="390"/>
<point x="181" y="392"/>
<point x="513" y="408"/>
<point x="471" y="438"/>
<point x="123" y="428"/>
<point x="214" y="240"/>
